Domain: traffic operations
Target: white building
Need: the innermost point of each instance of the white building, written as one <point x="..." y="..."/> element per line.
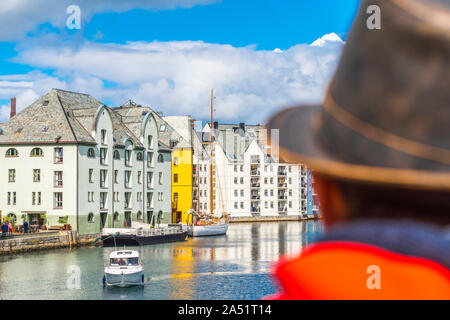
<point x="248" y="180"/>
<point x="67" y="158"/>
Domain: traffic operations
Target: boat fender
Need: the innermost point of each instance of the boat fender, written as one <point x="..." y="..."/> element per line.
<point x="104" y="280"/>
<point x="142" y="279"/>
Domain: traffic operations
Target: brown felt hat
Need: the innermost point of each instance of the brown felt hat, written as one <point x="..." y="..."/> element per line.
<point x="386" y="116"/>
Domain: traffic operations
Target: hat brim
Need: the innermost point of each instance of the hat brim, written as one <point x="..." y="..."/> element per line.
<point x="298" y="142"/>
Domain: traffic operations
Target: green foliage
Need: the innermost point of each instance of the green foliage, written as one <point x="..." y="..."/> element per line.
<point x="63" y="220"/>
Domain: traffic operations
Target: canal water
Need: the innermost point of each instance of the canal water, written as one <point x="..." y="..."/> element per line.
<point x="235" y="266"/>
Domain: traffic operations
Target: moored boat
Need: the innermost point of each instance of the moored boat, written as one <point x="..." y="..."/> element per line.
<point x="124" y="269"/>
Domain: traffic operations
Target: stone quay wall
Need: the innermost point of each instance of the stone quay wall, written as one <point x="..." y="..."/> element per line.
<point x="50" y="240"/>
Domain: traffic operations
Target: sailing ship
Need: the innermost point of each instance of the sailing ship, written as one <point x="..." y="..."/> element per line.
<point x="203" y="223"/>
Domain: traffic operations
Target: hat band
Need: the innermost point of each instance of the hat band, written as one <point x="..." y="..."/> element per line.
<point x="386" y="138"/>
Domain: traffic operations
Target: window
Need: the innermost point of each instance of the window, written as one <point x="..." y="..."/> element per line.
<point x="116" y="155"/>
<point x="242" y="205"/>
<point x="242" y="168"/>
<point x="103" y="199"/>
<point x="149" y="159"/>
<point x="235" y="193"/>
<point x="116" y="197"/>
<point x="235" y="180"/>
<point x="242" y="180"/>
<point x="162" y="128"/>
<point x="150" y="179"/>
<point x="149" y="199"/>
<point x="57" y="200"/>
<point x="175" y="196"/>
<point x="160" y="178"/>
<point x="58" y="181"/>
<point x="36" y="175"/>
<point x="139" y="176"/>
<point x="11" y="152"/>
<point x="139" y="156"/>
<point x="11" y="175"/>
<point x="127" y="199"/>
<point x="271" y="180"/>
<point x="127" y="157"/>
<point x="290" y="192"/>
<point x="127" y="179"/>
<point x="271" y="193"/>
<point x="91" y="175"/>
<point x="103" y="175"/>
<point x="139" y="196"/>
<point x="150" y="142"/>
<point x="90" y="196"/>
<point x="103" y="154"/>
<point x="36" y="152"/>
<point x="160" y="158"/>
<point x="235" y="168"/>
<point x="290" y="204"/>
<point x="175" y="161"/>
<point x="242" y="193"/>
<point x="11" y="198"/>
<point x="271" y="204"/>
<point x="58" y="155"/>
<point x="266" y="205"/>
<point x="90" y="217"/>
<point x="91" y="153"/>
<point x="265" y="180"/>
<point x="116" y="176"/>
<point x="116" y="216"/>
<point x="235" y="205"/>
<point x="103" y="136"/>
<point x="290" y="180"/>
<point x="175" y="178"/>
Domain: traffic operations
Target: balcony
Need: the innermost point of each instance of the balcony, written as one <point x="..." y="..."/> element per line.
<point x="255" y="197"/>
<point x="282" y="185"/>
<point x="282" y="197"/>
<point x="255" y="172"/>
<point x="255" y="185"/>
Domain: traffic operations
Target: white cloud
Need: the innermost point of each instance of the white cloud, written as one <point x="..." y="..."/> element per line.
<point x="17" y="17"/>
<point x="176" y="77"/>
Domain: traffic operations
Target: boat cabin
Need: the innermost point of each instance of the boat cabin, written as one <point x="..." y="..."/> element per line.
<point x="124" y="258"/>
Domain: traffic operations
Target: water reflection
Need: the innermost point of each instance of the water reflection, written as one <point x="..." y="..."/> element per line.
<point x="235" y="266"/>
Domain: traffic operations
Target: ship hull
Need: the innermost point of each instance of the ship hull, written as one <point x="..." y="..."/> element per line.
<point x="208" y="230"/>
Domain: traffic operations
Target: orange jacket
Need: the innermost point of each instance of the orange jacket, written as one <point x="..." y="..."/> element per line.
<point x="350" y="270"/>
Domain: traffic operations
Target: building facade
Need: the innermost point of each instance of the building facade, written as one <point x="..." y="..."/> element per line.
<point x="69" y="159"/>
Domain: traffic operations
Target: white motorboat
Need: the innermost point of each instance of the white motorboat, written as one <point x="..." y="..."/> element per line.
<point x="124" y="269"/>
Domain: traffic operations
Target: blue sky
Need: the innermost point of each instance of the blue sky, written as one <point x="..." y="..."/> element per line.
<point x="257" y="54"/>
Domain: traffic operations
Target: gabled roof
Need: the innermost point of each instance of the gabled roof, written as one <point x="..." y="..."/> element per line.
<point x="133" y="115"/>
<point x="63" y="117"/>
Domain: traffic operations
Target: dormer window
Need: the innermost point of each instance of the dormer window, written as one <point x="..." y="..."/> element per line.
<point x="139" y="156"/>
<point x="103" y="136"/>
<point x="150" y="141"/>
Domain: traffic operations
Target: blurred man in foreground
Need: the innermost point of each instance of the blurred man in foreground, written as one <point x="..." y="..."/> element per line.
<point x="379" y="146"/>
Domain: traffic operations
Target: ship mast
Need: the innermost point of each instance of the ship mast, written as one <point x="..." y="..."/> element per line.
<point x="211" y="156"/>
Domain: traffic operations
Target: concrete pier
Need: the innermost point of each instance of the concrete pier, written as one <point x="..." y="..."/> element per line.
<point x="42" y="241"/>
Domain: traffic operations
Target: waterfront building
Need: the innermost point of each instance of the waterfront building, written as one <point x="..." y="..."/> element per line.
<point x="182" y="169"/>
<point x="69" y="159"/>
<point x="249" y="181"/>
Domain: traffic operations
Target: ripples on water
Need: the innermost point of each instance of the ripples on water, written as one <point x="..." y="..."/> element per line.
<point x="235" y="266"/>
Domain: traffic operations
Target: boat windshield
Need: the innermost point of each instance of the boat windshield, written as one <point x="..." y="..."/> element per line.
<point x="124" y="261"/>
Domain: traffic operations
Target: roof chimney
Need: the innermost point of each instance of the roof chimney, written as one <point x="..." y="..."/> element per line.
<point x="13" y="107"/>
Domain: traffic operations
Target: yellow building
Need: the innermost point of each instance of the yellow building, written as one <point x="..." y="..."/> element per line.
<point x="181" y="184"/>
